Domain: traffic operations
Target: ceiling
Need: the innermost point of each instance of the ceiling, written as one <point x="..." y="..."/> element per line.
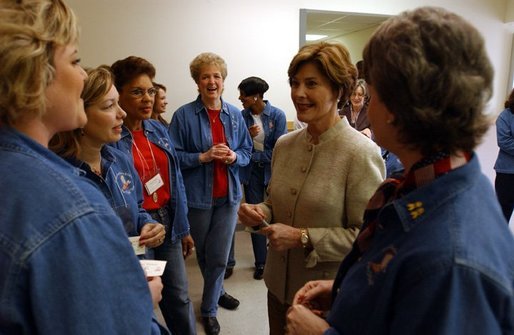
<point x="337" y="24"/>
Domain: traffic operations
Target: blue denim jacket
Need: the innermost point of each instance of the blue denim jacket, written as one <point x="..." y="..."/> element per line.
<point x="122" y="188"/>
<point x="191" y="133"/>
<point x="505" y="139"/>
<point x="158" y="135"/>
<point x="441" y="262"/>
<point x="275" y="125"/>
<point x="63" y="251"/>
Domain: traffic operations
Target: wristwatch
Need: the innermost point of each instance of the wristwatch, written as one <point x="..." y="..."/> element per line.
<point x="304" y="238"/>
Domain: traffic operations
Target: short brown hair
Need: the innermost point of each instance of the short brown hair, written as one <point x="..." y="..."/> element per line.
<point x="207" y="58"/>
<point x="331" y="59"/>
<point x="430" y="68"/>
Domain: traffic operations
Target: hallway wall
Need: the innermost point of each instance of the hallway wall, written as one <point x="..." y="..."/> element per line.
<point x="255" y="38"/>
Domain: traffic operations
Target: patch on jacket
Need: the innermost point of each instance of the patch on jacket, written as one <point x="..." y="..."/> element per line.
<point x="124" y="181"/>
<point x="376" y="268"/>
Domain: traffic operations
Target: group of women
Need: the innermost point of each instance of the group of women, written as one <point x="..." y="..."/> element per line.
<point x="179" y="188"/>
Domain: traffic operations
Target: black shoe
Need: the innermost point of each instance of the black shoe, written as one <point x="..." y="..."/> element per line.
<point x="228" y="272"/>
<point x="228" y="302"/>
<point x="211" y="325"/>
<point x="259" y="273"/>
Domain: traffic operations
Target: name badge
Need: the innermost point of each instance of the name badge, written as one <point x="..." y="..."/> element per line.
<point x="154" y="184"/>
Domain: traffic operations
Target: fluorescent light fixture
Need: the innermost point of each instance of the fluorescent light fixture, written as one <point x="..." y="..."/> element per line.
<point x="313" y="37"/>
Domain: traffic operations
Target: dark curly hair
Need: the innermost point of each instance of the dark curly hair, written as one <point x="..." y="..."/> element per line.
<point x="127" y="69"/>
<point x="430" y="68"/>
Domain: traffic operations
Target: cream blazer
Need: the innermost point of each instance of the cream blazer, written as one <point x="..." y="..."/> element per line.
<point x="325" y="188"/>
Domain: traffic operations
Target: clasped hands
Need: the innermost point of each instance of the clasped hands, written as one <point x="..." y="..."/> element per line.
<point x="220" y="152"/>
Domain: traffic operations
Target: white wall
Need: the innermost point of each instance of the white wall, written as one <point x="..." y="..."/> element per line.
<point x="255" y="38"/>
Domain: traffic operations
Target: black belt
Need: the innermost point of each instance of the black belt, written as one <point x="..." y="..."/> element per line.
<point x="258" y="164"/>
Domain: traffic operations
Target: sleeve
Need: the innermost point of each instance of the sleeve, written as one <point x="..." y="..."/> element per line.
<point x="504" y="135"/>
<point x="451" y="300"/>
<point x="94" y="258"/>
<point x="332" y="244"/>
<point x="280" y="129"/>
<point x="244" y="144"/>
<point x="179" y="132"/>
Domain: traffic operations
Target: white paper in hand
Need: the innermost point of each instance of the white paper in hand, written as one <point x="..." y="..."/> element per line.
<point x="153" y="268"/>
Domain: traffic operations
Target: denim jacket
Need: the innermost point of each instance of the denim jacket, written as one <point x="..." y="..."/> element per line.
<point x="158" y="135"/>
<point x="441" y="262"/>
<point x="275" y="125"/>
<point x="122" y="188"/>
<point x="191" y="133"/>
<point x="505" y="138"/>
<point x="63" y="251"/>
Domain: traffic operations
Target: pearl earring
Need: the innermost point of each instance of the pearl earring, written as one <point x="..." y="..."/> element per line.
<point x="254" y="98"/>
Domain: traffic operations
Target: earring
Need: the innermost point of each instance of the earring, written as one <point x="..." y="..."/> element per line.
<point x="389" y="121"/>
<point x="254" y="98"/>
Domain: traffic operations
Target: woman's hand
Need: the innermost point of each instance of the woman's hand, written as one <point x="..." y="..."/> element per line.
<point x="152" y="235"/>
<point x="316" y="295"/>
<point x="155" y="286"/>
<point x="254" y="130"/>
<point x="250" y="215"/>
<point x="302" y="321"/>
<point x="188" y="246"/>
<point x="283" y="237"/>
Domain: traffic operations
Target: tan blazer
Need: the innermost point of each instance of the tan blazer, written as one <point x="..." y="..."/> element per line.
<point x="325" y="188"/>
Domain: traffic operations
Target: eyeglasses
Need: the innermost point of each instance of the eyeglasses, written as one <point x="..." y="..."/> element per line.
<point x="139" y="92"/>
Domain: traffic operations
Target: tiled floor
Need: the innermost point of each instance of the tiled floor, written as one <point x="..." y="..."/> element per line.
<point x="251" y="316"/>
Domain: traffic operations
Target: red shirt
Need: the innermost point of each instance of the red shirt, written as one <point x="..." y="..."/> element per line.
<point x="149" y="160"/>
<point x="220" y="177"/>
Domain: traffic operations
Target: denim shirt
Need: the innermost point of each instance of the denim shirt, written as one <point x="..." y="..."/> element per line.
<point x="63" y="251"/>
<point x="505" y="139"/>
<point x="190" y="131"/>
<point x="158" y="135"/>
<point x="441" y="262"/>
<point x="275" y="125"/>
<point x="122" y="188"/>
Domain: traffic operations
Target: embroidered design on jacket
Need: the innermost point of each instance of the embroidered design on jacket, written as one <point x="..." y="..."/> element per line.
<point x="415" y="209"/>
<point x="375" y="268"/>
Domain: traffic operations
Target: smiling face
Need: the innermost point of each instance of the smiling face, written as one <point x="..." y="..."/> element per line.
<point x="65" y="108"/>
<point x="137" y="98"/>
<point x="160" y="102"/>
<point x="357" y="97"/>
<point x="247" y="100"/>
<point x="105" y="119"/>
<point x="313" y="96"/>
<point x="210" y="83"/>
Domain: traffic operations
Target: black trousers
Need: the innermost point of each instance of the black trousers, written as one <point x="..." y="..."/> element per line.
<point x="504" y="186"/>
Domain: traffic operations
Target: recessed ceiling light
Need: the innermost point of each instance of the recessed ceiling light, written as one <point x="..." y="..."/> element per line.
<point x="313" y="37"/>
